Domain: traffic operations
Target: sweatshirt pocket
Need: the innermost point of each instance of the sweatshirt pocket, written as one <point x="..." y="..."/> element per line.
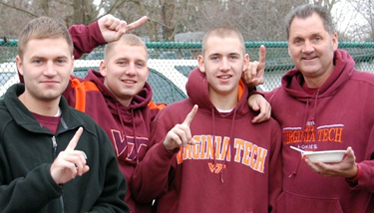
<point x="290" y="202"/>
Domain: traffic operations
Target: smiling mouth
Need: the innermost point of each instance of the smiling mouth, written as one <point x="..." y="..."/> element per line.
<point x="49" y="82"/>
<point x="225" y="77"/>
<point x="129" y="81"/>
<point x="309" y="58"/>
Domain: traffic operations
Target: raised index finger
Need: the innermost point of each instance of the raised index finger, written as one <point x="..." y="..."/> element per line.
<point x="187" y="121"/>
<point x="262" y="55"/>
<point x="137" y="23"/>
<point x="74" y="141"/>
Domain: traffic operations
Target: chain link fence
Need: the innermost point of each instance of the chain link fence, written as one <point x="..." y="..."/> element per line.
<point x="170" y="64"/>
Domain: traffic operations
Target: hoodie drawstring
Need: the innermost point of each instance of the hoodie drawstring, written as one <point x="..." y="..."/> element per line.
<point x="302" y="137"/>
<point x="214" y="137"/>
<point x="134" y="133"/>
<point x="315" y="111"/>
<point x="314" y="116"/>
<point x="124" y="131"/>
<point x="122" y="123"/>
<point x="231" y="136"/>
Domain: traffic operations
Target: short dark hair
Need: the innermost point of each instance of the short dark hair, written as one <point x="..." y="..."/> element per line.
<point x="43" y="28"/>
<point x="307" y="10"/>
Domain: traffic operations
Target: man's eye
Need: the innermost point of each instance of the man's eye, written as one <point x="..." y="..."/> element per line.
<point x="140" y="64"/>
<point x="61" y="61"/>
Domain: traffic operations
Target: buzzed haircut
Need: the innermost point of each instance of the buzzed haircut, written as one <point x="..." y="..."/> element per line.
<point x="43" y="28"/>
<point x="128" y="39"/>
<point x="222" y="32"/>
<point x="307" y="10"/>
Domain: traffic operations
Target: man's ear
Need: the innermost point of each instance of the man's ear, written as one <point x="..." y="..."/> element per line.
<point x="147" y="74"/>
<point x="335" y="42"/>
<point x="200" y="60"/>
<point x="246" y="62"/>
<point x="103" y="68"/>
<point x="72" y="68"/>
<point x="19" y="64"/>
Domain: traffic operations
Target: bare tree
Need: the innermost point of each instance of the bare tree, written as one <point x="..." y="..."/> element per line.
<point x="70" y="11"/>
<point x="363" y="28"/>
<point x="257" y="20"/>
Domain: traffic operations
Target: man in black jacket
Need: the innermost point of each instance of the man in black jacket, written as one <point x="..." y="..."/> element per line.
<point x="52" y="157"/>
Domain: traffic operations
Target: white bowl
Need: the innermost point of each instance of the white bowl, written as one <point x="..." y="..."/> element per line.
<point x="329" y="156"/>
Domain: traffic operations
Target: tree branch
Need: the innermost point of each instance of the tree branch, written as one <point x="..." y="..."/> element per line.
<point x="19" y="9"/>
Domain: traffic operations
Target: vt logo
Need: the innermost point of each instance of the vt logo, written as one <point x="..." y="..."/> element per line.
<point x="216" y="168"/>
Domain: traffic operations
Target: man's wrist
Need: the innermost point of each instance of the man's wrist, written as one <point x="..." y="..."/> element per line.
<point x="357" y="176"/>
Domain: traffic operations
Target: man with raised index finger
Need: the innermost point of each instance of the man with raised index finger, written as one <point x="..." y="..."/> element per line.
<point x="205" y="154"/>
<point x="53" y="158"/>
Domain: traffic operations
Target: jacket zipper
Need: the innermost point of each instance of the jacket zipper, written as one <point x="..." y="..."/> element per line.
<point x="54" y="145"/>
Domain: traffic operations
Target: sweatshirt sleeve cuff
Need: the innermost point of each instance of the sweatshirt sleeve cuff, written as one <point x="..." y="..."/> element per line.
<point x="57" y="189"/>
<point x="355" y="179"/>
<point x="94" y="27"/>
<point x="165" y="152"/>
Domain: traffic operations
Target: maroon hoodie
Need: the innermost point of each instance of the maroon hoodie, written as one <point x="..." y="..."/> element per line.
<point x="128" y="127"/>
<point x="337" y="115"/>
<point x="239" y="172"/>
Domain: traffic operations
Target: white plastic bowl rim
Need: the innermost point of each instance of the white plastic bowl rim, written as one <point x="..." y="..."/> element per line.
<point x="330" y="156"/>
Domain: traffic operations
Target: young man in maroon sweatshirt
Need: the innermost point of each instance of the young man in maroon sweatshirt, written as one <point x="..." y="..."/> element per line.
<point x="214" y="159"/>
<point x="117" y="97"/>
<point x="324" y="104"/>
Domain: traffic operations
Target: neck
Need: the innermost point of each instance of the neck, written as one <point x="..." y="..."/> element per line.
<point x="317" y="81"/>
<point x="40" y="107"/>
<point x="224" y="101"/>
<point x="125" y="102"/>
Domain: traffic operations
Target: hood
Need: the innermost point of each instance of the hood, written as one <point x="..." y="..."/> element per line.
<point x="198" y="91"/>
<point x="126" y="116"/>
<point x="293" y="80"/>
<point x="140" y="100"/>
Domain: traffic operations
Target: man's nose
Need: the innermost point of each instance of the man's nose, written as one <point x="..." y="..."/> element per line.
<point x="225" y="66"/>
<point x="308" y="47"/>
<point x="130" y="70"/>
<point x="49" y="69"/>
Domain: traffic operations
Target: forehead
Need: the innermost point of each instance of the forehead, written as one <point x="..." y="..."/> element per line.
<point x="312" y="24"/>
<point x="47" y="47"/>
<point x="223" y="46"/>
<point x="123" y="50"/>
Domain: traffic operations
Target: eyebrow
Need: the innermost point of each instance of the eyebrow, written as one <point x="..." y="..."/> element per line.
<point x="42" y="57"/>
<point x="219" y="54"/>
<point x="126" y="58"/>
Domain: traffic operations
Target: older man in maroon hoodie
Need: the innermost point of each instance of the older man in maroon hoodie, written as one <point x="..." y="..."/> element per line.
<point x="324" y="104"/>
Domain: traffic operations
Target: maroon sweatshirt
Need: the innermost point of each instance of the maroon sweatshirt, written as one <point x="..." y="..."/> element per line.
<point x="234" y="167"/>
<point x="128" y="127"/>
<point x="338" y="114"/>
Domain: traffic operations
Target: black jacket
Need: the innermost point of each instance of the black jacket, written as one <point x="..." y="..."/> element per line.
<point x="26" y="155"/>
